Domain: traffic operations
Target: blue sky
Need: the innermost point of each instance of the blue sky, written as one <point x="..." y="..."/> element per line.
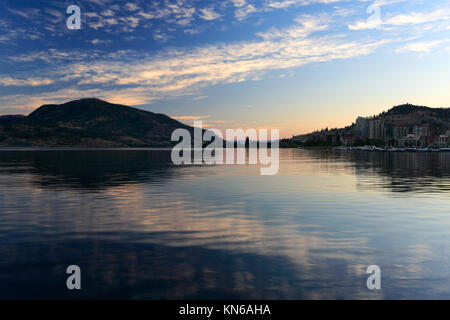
<point x="297" y="65"/>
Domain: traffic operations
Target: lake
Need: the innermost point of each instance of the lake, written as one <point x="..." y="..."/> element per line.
<point x="140" y="227"/>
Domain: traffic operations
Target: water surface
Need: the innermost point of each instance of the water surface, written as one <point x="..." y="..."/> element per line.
<point x="142" y="228"/>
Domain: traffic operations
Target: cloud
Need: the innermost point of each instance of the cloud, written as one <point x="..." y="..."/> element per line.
<point x="364" y="25"/>
<point x="107" y="13"/>
<point x="190" y="117"/>
<point x="242" y="12"/>
<point x="209" y="14"/>
<point x="131" y="6"/>
<point x="53" y="55"/>
<point x="57" y="15"/>
<point x="420" y="47"/>
<point x="239" y="3"/>
<point x="244" y="8"/>
<point x="142" y="78"/>
<point x="27" y="13"/>
<point x="113" y="17"/>
<point x="137" y="77"/>
<point x="4" y="38"/>
<point x="100" y="41"/>
<point x="199" y="98"/>
<point x="32" y="82"/>
<point x="282" y="4"/>
<point x="400" y="20"/>
<point x="127" y="18"/>
<point x="418" y="17"/>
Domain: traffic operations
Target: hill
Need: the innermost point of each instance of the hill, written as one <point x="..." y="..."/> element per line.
<point x="88" y="123"/>
<point x="405" y="109"/>
<point x="410" y="115"/>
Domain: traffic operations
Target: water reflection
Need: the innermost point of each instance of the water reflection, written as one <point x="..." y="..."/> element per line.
<point x="87" y="169"/>
<point x="142" y="228"/>
<point x="422" y="172"/>
<point x="417" y="172"/>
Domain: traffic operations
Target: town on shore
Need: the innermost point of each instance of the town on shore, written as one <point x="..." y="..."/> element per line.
<point x="402" y="128"/>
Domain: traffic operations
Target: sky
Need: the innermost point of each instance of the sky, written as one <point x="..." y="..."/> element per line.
<point x="296" y="65"/>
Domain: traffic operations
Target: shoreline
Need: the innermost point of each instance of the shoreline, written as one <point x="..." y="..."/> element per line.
<point x="393" y="149"/>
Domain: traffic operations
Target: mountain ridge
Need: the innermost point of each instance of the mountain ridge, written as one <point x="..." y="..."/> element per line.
<point x="89" y="122"/>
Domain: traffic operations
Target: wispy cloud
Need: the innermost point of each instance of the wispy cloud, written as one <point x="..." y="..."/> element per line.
<point x="282" y="4"/>
<point x="420" y="47"/>
<point x="180" y="72"/>
<point x="25" y="13"/>
<point x="209" y="14"/>
<point x="190" y="117"/>
<point x="131" y="6"/>
<point x="158" y="69"/>
<point x="8" y="81"/>
<point x="403" y="19"/>
<point x="419" y="17"/>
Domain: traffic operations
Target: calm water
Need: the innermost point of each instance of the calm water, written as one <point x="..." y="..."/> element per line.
<point x="142" y="228"/>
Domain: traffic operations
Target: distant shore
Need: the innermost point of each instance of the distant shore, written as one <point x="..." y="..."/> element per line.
<point x="394" y="149"/>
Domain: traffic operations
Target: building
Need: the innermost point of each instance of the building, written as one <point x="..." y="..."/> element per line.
<point x="411" y="140"/>
<point x="399" y="132"/>
<point x="422" y="131"/>
<point x="444" y="140"/>
<point x="362" y="127"/>
<point x="347" y="140"/>
<point x="377" y="131"/>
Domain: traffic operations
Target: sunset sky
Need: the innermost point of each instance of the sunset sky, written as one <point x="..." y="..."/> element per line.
<point x="297" y="65"/>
